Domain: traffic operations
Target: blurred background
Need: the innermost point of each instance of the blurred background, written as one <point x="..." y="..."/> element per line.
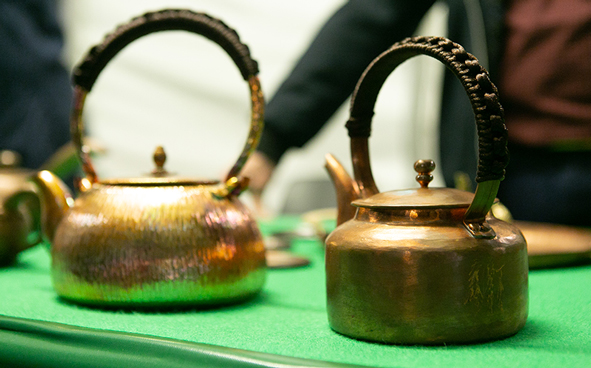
<point x="181" y="91"/>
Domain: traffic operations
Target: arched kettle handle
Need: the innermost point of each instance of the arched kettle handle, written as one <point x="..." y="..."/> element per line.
<point x="86" y="73"/>
<point x="493" y="155"/>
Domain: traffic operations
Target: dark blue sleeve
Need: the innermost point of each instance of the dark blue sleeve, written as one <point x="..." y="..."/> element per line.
<point x="326" y="74"/>
<point x="35" y="92"/>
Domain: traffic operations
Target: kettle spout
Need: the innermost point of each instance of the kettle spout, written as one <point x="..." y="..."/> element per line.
<point x="56" y="200"/>
<point x="346" y="188"/>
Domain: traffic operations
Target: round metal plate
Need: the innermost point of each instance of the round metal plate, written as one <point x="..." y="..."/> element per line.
<point x="283" y="259"/>
<point x="551" y="245"/>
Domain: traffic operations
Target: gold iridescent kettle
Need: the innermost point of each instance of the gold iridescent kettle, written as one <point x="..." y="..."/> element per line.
<point x="155" y="241"/>
<point x="425" y="265"/>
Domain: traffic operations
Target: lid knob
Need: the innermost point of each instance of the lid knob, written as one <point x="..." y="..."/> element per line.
<point x="159" y="159"/>
<point x="9" y="159"/>
<point x="424" y="168"/>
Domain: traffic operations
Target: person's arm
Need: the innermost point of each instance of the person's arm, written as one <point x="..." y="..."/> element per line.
<point x="327" y="73"/>
<point x="35" y="92"/>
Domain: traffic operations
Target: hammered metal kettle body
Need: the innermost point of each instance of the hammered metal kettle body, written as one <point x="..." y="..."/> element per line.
<point x="425" y="265"/>
<point x="155" y="241"/>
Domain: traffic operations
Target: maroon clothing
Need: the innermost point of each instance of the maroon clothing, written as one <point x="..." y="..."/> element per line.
<point x="545" y="80"/>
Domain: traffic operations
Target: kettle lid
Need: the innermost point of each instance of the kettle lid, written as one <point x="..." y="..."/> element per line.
<point x="423" y="197"/>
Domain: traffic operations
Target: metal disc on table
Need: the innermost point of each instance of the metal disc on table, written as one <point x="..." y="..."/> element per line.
<point x="283" y="259"/>
<point x="551" y="245"/>
<point x="276" y="241"/>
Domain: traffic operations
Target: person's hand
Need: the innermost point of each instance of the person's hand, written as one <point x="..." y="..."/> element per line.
<point x="258" y="169"/>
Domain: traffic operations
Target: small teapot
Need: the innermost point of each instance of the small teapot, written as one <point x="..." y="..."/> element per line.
<point x="155" y="241"/>
<point x="425" y="265"/>
<point x="19" y="209"/>
<point x="19" y="202"/>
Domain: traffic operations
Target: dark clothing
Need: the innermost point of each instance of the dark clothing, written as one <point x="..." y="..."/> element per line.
<point x="357" y="33"/>
<point x="548" y="186"/>
<point x="362" y="29"/>
<point x="35" y="93"/>
<point x="328" y="71"/>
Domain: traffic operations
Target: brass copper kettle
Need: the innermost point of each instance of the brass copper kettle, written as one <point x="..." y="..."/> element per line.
<point x="425" y="265"/>
<point x="20" y="226"/>
<point x="155" y="241"/>
<point x="19" y="209"/>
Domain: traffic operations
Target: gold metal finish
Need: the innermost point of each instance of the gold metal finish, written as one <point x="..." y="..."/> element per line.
<point x="159" y="160"/>
<point x="9" y="159"/>
<point x="256" y="129"/>
<point x="256" y="125"/>
<point x="76" y="129"/>
<point x="19" y="202"/>
<point x="158" y="240"/>
<point x="138" y="245"/>
<point x="233" y="186"/>
<point x="19" y="213"/>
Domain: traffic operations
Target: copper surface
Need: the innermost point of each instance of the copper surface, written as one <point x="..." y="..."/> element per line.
<point x="406" y="270"/>
<point x="425" y="265"/>
<point x="424" y="168"/>
<point x="417" y="281"/>
<point x="347" y="190"/>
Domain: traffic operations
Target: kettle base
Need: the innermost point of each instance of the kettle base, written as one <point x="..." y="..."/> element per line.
<point x="168" y="306"/>
<point x="160" y="295"/>
<point x="407" y="335"/>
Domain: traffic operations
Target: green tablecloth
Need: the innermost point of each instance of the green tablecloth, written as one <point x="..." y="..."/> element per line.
<point x="287" y="319"/>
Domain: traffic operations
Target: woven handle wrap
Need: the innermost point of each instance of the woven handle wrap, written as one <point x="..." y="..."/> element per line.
<point x="87" y="72"/>
<point x="492" y="133"/>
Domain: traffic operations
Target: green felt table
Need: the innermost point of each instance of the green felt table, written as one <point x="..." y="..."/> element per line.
<point x="288" y="319"/>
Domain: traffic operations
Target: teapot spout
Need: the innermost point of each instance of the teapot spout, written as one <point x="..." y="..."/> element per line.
<point x="346" y="188"/>
<point x="56" y="200"/>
